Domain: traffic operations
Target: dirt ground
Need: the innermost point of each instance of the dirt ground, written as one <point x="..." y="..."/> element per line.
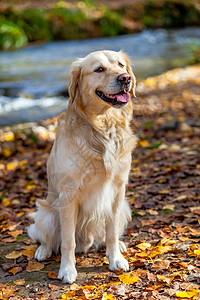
<point x="163" y="191"/>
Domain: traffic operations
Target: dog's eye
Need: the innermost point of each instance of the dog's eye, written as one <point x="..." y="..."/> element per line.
<point x="99" y="70"/>
<point x="120" y="64"/>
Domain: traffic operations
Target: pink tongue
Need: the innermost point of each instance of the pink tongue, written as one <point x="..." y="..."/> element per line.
<point x="123" y="97"/>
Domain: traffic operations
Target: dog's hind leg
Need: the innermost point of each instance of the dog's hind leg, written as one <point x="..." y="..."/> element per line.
<point x="45" y="231"/>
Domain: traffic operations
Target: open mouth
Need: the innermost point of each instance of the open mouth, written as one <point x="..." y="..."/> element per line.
<point x="119" y="99"/>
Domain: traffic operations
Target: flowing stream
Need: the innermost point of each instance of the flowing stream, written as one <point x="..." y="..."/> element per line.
<point x="33" y="80"/>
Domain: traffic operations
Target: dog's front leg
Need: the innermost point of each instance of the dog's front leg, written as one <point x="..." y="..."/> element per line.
<point x="116" y="259"/>
<point x="68" y="219"/>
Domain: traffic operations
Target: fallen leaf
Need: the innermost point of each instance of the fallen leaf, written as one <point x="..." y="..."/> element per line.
<point x="19" y="281"/>
<point x="167" y="279"/>
<point x="129" y="278"/>
<point x="7" y="292"/>
<point x="53" y="275"/>
<point x="169" y="206"/>
<point x="15" y="270"/>
<point x="118" y="290"/>
<point x="160" y="250"/>
<point x="69" y="295"/>
<point x="191" y="294"/>
<point x="54" y="287"/>
<point x="13" y="255"/>
<point x="143" y="246"/>
<point x="144" y="143"/>
<point x="107" y="296"/>
<point x="160" y="264"/>
<point x="34" y="265"/>
<point x="15" y="233"/>
<point x="9" y="240"/>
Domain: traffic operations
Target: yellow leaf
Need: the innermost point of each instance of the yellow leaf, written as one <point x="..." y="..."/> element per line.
<point x="129" y="278"/>
<point x="31" y="186"/>
<point x="7" y="152"/>
<point x="6" y="201"/>
<point x="12" y="166"/>
<point x="20" y="214"/>
<point x="9" y="136"/>
<point x="191" y="294"/>
<point x="144" y="143"/>
<point x="143" y="246"/>
<point x="197" y="252"/>
<point x="163" y="192"/>
<point x="160" y="250"/>
<point x="69" y="295"/>
<point x="105" y="261"/>
<point x="23" y="162"/>
<point x="108" y="296"/>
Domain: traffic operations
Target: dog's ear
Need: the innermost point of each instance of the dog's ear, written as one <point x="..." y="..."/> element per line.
<point x="130" y="72"/>
<point x="74" y="80"/>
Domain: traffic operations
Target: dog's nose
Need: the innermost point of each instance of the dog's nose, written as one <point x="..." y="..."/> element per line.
<point x="124" y="78"/>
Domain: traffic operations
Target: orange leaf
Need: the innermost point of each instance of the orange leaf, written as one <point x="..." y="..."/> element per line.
<point x="13" y="255"/>
<point x="52" y="275"/>
<point x="34" y="265"/>
<point x="15" y="270"/>
<point x="7" y="292"/>
<point x="129" y="278"/>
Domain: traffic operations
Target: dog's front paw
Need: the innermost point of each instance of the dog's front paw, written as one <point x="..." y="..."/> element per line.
<point x="42" y="253"/>
<point x="67" y="274"/>
<point x="118" y="262"/>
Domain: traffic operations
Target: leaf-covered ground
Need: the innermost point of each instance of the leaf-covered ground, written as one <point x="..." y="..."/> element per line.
<point x="164" y="193"/>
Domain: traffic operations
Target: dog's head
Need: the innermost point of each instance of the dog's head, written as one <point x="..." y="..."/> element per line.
<point x="101" y="80"/>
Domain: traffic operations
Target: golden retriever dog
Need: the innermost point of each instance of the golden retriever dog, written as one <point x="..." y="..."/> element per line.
<point x="89" y="165"/>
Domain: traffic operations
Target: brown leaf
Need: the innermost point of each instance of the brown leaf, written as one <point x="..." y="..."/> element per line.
<point x="9" y="240"/>
<point x="19" y="281"/>
<point x="15" y="270"/>
<point x="160" y="264"/>
<point x="28" y="253"/>
<point x="54" y="287"/>
<point x="34" y="265"/>
<point x="13" y="255"/>
<point x="15" y="233"/>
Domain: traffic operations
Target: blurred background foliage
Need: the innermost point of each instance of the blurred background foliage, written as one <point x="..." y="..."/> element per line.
<point x="22" y="24"/>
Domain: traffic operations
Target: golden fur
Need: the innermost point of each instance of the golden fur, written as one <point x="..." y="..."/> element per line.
<point x="88" y="167"/>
